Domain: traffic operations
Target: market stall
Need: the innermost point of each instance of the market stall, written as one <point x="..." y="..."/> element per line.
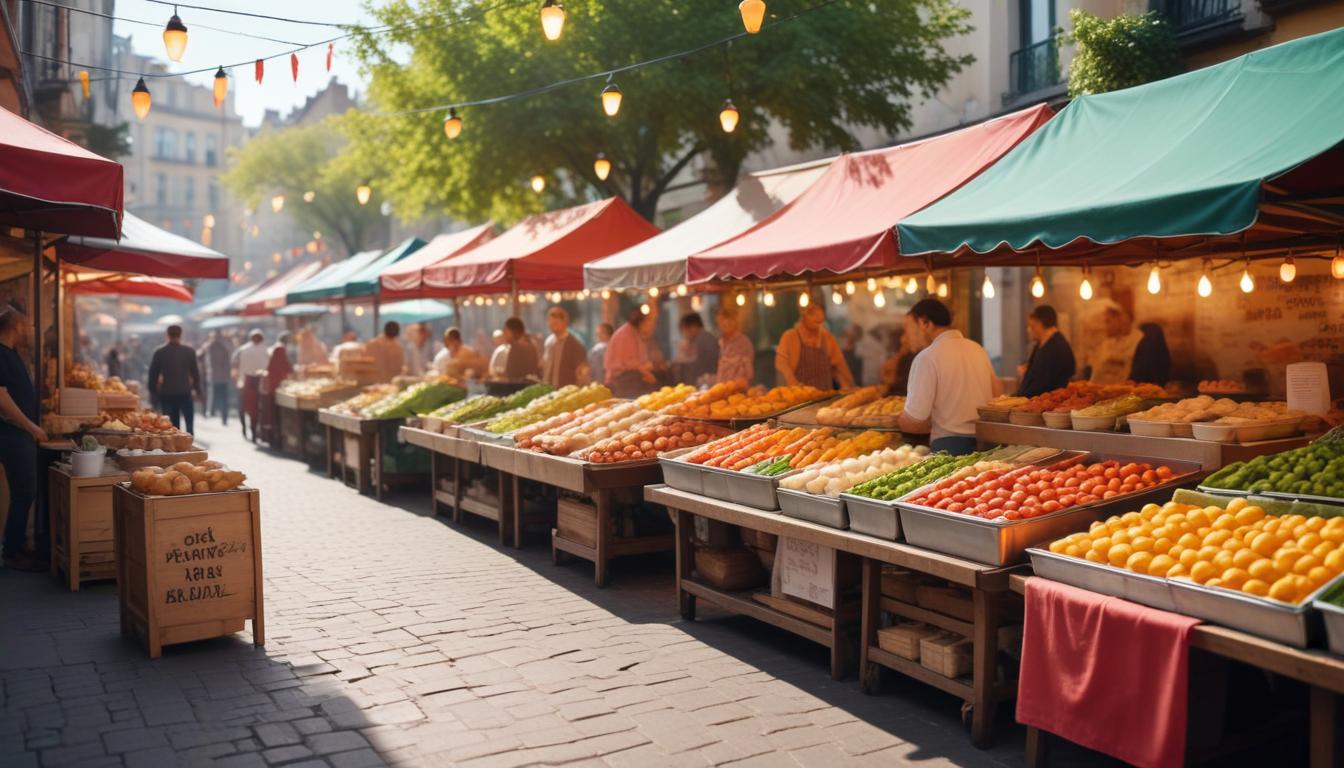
<point x="406" y="279"/>
<point x="144" y="249"/>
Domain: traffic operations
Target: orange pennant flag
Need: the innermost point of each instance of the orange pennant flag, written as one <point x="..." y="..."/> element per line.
<point x="294" y="65"/>
<point x="261" y="69"/>
<point x="84" y="79"/>
<point x="330" y="48"/>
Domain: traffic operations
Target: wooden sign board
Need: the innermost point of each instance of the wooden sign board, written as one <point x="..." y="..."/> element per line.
<point x="806" y="571"/>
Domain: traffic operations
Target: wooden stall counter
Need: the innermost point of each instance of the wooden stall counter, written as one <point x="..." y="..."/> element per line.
<point x="80" y="510"/>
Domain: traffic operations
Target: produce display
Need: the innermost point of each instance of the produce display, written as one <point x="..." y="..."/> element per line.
<point x="865" y="407"/>
<point x="482" y="407"/>
<point x="1081" y="394"/>
<point x="1022" y="493"/>
<point x="423" y="397"/>
<point x="731" y="400"/>
<point x="652" y="438"/>
<point x="835" y="477"/>
<point x="355" y="406"/>
<point x="1314" y="470"/>
<point x="1007" y="402"/>
<point x="566" y="433"/>
<point x="1222" y="387"/>
<point x="140" y="430"/>
<point x="824" y="445"/>
<point x="1241" y="548"/>
<point x="773" y="450"/>
<point x="1113" y="408"/>
<point x="81" y="376"/>
<point x="894" y="485"/>
<point x="184" y="477"/>
<point x="1220" y="411"/>
<point x="314" y="387"/>
<point x="667" y="396"/>
<point x="566" y="398"/>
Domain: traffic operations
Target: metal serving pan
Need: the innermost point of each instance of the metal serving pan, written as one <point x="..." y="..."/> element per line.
<point x="872" y="517"/>
<point x="1295" y="625"/>
<point x="822" y="510"/>
<point x="1334" y="625"/>
<point x="742" y="488"/>
<point x="682" y="475"/>
<point x="1151" y="591"/>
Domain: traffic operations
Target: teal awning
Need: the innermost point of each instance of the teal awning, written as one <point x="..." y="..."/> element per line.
<point x="329" y="284"/>
<point x="415" y="311"/>
<point x="302" y="310"/>
<point x="221" y="321"/>
<point x="364" y="282"/>
<point x="1247" y="146"/>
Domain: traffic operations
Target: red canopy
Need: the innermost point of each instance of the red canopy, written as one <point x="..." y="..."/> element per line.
<point x="52" y="184"/>
<point x="135" y="285"/>
<point x="844" y="221"/>
<point x="271" y="296"/>
<point x="406" y="278"/>
<point x="546" y="252"/>
<point x="145" y="250"/>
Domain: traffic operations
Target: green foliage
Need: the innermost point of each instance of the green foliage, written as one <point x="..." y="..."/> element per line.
<point x="305" y="158"/>
<point x="1125" y="51"/>
<point x="840" y="67"/>
<point x="110" y="141"/>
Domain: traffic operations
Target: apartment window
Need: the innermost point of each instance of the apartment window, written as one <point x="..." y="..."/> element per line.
<point x="211" y="150"/>
<point x="189" y="193"/>
<point x="161" y="189"/>
<point x="212" y="193"/>
<point x="1037" y="21"/>
<point x="189" y="148"/>
<point x="165" y="143"/>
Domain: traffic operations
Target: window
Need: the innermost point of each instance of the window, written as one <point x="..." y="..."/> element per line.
<point x="189" y="148"/>
<point x="161" y="189"/>
<point x="211" y="150"/>
<point x="212" y="193"/>
<point x="165" y="144"/>
<point x="189" y="193"/>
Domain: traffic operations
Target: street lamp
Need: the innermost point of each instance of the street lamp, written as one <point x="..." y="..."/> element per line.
<point x="728" y="116"/>
<point x="363" y="192"/>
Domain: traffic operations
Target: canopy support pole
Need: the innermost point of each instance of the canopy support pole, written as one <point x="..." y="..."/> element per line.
<point x="37" y="318"/>
<point x="376" y="324"/>
<point x="345" y="326"/>
<point x="513" y="292"/>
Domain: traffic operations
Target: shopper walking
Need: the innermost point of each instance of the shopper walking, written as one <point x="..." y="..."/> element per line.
<point x="248" y="359"/>
<point x="19" y="436"/>
<point x="218" y="355"/>
<point x="174" y="379"/>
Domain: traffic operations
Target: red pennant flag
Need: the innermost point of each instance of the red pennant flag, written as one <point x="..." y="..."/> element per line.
<point x="294" y="65"/>
<point x="261" y="69"/>
<point x="330" y="48"/>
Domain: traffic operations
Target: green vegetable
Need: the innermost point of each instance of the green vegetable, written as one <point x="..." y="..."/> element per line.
<point x="417" y="398"/>
<point x="898" y="483"/>
<point x="771" y="467"/>
<point x="89" y="444"/>
<point x="563" y="400"/>
<point x="1312" y="470"/>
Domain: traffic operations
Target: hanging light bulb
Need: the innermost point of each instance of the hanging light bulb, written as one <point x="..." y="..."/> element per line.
<point x="696" y="303"/>
<point x="209" y="221"/>
<point x="1037" y="284"/>
<point x="879" y="299"/>
<point x="84" y="82"/>
<point x="606" y="294"/>
<point x="1337" y="265"/>
<point x="682" y="290"/>
<point x="1247" y="282"/>
<point x="1085" y="288"/>
<point x="452" y="124"/>
<point x="611" y="99"/>
<point x="836" y="297"/>
<point x="930" y="284"/>
<point x="277" y="203"/>
<point x="602" y="167"/>
<point x="1287" y="270"/>
<point x="768" y="299"/>
<point x="729" y="116"/>
<point x="552" y="19"/>
<point x="309" y="196"/>
<point x="643" y="309"/>
<point x="753" y="13"/>
<point x="987" y="287"/>
<point x="175" y="37"/>
<point x="363" y="192"/>
<point x="943" y="290"/>
<point x="849" y="288"/>
<point x="1205" y="286"/>
<point x="653" y="292"/>
<point x="140" y="99"/>
<point x="359" y="311"/>
<point x="804" y="299"/>
<point x="911" y="284"/>
<point x="221" y="88"/>
<point x="1154" y="280"/>
<point x="538" y="183"/>
<point x="872" y="284"/>
<point x="741" y="299"/>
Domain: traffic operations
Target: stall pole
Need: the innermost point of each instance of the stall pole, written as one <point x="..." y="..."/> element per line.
<point x="345" y="326"/>
<point x="376" y="324"/>
<point x="513" y="292"/>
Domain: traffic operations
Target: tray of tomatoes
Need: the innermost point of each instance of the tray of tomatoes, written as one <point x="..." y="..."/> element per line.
<point x="994" y="517"/>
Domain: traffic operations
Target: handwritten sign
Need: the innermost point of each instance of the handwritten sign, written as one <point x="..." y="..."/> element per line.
<point x="205" y="563"/>
<point x="806" y="571"/>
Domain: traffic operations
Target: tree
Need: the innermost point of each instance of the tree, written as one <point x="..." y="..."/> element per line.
<point x="1128" y="50"/>
<point x="308" y="158"/>
<point x="836" y="68"/>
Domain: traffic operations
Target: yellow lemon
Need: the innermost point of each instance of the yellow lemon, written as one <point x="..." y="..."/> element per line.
<point x="1142" y="544"/>
<point x="1263" y="569"/>
<point x="1094" y="556"/>
<point x="1236" y="504"/>
<point x="1335" y="534"/>
<point x="1255" y="587"/>
<point x="1119" y="554"/>
<point x="1207" y="553"/>
<point x="1131" y="518"/>
<point x="1223" y="560"/>
<point x="1284" y="589"/>
<point x="1224" y="523"/>
<point x="1139" y="562"/>
<point x="1188" y="557"/>
<point x="1305" y="563"/>
<point x="1175" y="571"/>
<point x="1120" y="537"/>
<point x="1160" y="564"/>
<point x="1101" y="545"/>
<point x="1285" y="558"/>
<point x="1058" y="546"/>
<point x="1323" y="550"/>
<point x="1234" y="544"/>
<point x="1148" y="510"/>
<point x="1317" y="577"/>
<point x="1189" y="541"/>
<point x="1073" y="550"/>
<point x="1243" y="558"/>
<point x="1202" y="571"/>
<point x="1199" y="517"/>
<point x="1233" y="578"/>
<point x="1217" y="537"/>
<point x="1163" y="544"/>
<point x="1308" y="541"/>
<point x="1248" y="514"/>
<point x="1265" y="544"/>
<point x="1334" y="560"/>
<point x="1315" y="523"/>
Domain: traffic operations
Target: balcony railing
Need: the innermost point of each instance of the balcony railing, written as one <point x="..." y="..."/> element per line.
<point x="1033" y="68"/>
<point x="1189" y="16"/>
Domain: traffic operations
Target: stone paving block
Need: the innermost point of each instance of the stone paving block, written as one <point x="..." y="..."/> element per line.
<point x="337" y="741"/>
<point x="277" y="734"/>
<point x="286" y="754"/>
<point x="117" y="742"/>
<point x="148" y="758"/>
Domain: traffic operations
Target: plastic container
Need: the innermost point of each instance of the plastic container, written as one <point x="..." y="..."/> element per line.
<point x="1215" y="433"/>
<point x="1055" y="420"/>
<point x="1094" y="423"/>
<point x="87" y="463"/>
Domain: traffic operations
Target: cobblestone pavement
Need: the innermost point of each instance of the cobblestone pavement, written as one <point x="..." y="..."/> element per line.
<point x="398" y="638"/>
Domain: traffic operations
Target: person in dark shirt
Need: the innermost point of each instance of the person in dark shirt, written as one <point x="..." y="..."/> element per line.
<point x="19" y="436"/>
<point x="1051" y="363"/>
<point x="1152" y="359"/>
<point x="174" y="379"/>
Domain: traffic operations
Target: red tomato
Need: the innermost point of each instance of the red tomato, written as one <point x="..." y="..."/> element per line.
<point x="1164" y="473"/>
<point x="1018" y="496"/>
<point x="1013" y="515"/>
<point x="995" y="503"/>
<point x="1110" y="494"/>
<point x="956" y="507"/>
<point x="1072" y="482"/>
<point x="1048" y="494"/>
<point x="1113" y="485"/>
<point x="1111" y="472"/>
<point x="1068" y="500"/>
<point x="1050" y="506"/>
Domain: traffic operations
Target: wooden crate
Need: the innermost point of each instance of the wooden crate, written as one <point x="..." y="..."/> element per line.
<point x="188" y="567"/>
<point x="903" y="639"/>
<point x="949" y="601"/>
<point x="948" y="654"/>
<point x="729" y="568"/>
<point x="577" y="521"/>
<point x="80" y="510"/>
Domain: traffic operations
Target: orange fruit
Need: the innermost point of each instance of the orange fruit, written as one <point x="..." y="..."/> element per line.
<point x="1334" y="561"/>
<point x="1176" y="570"/>
<point x="1248" y="514"/>
<point x="1094" y="556"/>
<point x="1233" y="578"/>
<point x="1188" y="557"/>
<point x="1265" y="544"/>
<point x="1202" y="571"/>
<point x="1243" y="558"/>
<point x="1223" y="560"/>
<point x="1284" y="589"/>
<point x="1142" y="544"/>
<point x="1119" y="554"/>
<point x="1163" y="544"/>
<point x="1255" y="587"/>
<point x="1305" y="563"/>
<point x="1160" y="564"/>
<point x="1263" y="569"/>
<point x="1189" y="541"/>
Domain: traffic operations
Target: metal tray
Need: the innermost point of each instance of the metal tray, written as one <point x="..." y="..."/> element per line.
<point x="822" y="510"/>
<point x="1222" y="491"/>
<point x="1085" y="574"/>
<point x="750" y="490"/>
<point x="481" y="436"/>
<point x="682" y="475"/>
<point x="1302" y="497"/>
<point x="871" y="517"/>
<point x="1294" y="625"/>
<point x="1334" y="625"/>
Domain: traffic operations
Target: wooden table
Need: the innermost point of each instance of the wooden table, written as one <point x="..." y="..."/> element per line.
<point x="1322" y="673"/>
<point x="451" y="458"/>
<point x="988" y="584"/>
<point x="350" y="449"/>
<point x="1208" y="455"/>
<point x="80" y="510"/>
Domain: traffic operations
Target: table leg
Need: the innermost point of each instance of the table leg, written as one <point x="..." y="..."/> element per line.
<point x="984" y="702"/>
<point x="685" y="552"/>
<point x="603" y="500"/>
<point x="516" y="512"/>
<point x="331" y="451"/>
<point x="365" y="458"/>
<point x="505" y="504"/>
<point x="459" y="469"/>
<point x="1324" y="721"/>
<point x="378" y="464"/>
<point x="1038" y="743"/>
<point x="870" y="621"/>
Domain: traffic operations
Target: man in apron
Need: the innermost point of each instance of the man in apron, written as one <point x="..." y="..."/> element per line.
<point x="809" y="355"/>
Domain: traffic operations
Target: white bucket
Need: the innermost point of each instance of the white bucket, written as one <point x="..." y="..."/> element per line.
<point x="88" y="464"/>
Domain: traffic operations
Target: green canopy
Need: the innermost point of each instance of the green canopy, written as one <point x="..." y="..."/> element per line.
<point x="415" y="310"/>
<point x="363" y="283"/>
<point x="330" y="282"/>
<point x="1244" y="150"/>
<point x="302" y="310"/>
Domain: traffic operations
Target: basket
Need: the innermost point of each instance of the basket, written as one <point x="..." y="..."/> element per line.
<point x="731" y="569"/>
<point x="1095" y="423"/>
<point x="904" y="639"/>
<point x="1026" y="418"/>
<point x="999" y="415"/>
<point x="947" y="653"/>
<point x="1055" y="420"/>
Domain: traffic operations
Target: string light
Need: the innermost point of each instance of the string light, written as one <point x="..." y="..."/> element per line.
<point x="1085" y="288"/>
<point x="552" y="19"/>
<point x="309" y="196"/>
<point x="277" y="203"/>
<point x="208" y="220"/>
<point x="943" y="290"/>
<point x="653" y="292"/>
<point x="175" y="37"/>
<point x="849" y="288"/>
<point x="804" y="299"/>
<point x="893" y="282"/>
<point x="1154" y="280"/>
<point x="753" y="13"/>
<point x="221" y="86"/>
<point x="602" y="167"/>
<point x="643" y="309"/>
<point x="363" y="192"/>
<point x="1037" y="284"/>
<point x="682" y="290"/>
<point x="1205" y="286"/>
<point x="606" y="294"/>
<point x="872" y="284"/>
<point x="768" y="299"/>
<point x="879" y="300"/>
<point x="1337" y="265"/>
<point x="359" y="311"/>
<point x="987" y="287"/>
<point x="1287" y="270"/>
<point x="836" y="298"/>
<point x="911" y="284"/>
<point x="611" y="99"/>
<point x="1247" y="282"/>
<point x="140" y="99"/>
<point x="930" y="284"/>
<point x="741" y="299"/>
<point x="452" y="124"/>
<point x="728" y="116"/>
<point x="538" y="183"/>
<point x="696" y="303"/>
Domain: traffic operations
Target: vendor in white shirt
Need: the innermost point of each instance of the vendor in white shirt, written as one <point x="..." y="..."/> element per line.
<point x="950" y="378"/>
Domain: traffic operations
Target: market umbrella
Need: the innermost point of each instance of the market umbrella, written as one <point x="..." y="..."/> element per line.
<point x="52" y="184"/>
<point x="1241" y="154"/>
<point x="415" y="310"/>
<point x="329" y="284"/>
<point x="843" y="222"/>
<point x="146" y="250"/>
<point x="545" y="252"/>
<point x="406" y="278"/>
<point x="363" y="283"/>
<point x="271" y="296"/>
<point x="229" y="302"/>
<point x="169" y="320"/>
<point x="131" y="285"/>
<point x="221" y="321"/>
<point x="661" y="260"/>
